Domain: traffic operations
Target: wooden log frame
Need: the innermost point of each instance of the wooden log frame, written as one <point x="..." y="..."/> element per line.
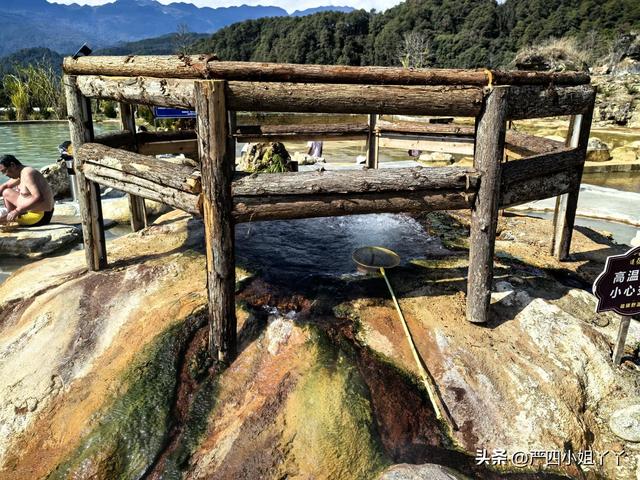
<point x="491" y="128"/>
<point x="217" y="163"/>
<point x="81" y="131"/>
<point x="207" y="66"/>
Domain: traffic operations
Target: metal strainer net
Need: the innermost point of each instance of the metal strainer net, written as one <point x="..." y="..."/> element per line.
<point x="371" y="259"/>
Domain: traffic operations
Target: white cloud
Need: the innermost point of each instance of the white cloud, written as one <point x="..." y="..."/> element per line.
<point x="288" y="5"/>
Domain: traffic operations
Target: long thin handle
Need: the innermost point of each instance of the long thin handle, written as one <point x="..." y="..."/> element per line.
<point x="416" y="356"/>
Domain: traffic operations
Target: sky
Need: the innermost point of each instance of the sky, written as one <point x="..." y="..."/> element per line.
<point x="288" y="5"/>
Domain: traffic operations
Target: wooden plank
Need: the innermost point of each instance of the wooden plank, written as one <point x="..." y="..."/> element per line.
<point x="300" y="133"/>
<point x="189" y="148"/>
<point x="491" y="128"/>
<point x="524" y="144"/>
<point x="414" y="142"/>
<point x="137" y="208"/>
<point x="292" y="97"/>
<point x="217" y="172"/>
<point x="536" y="102"/>
<point x="542" y="164"/>
<point x="206" y="66"/>
<point x="81" y="131"/>
<point x="438" y="130"/>
<point x="545" y="185"/>
<point x="120" y="139"/>
<point x="180" y="177"/>
<point x="396" y="180"/>
<point x="372" y="142"/>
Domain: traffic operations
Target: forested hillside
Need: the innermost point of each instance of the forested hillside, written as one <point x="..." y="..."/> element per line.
<point x="446" y="33"/>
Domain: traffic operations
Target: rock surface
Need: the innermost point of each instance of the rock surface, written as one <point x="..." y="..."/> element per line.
<point x="324" y="384"/>
<point x="37" y="242"/>
<point x="117" y="209"/>
<point x="58" y="179"/>
<point x="597" y="151"/>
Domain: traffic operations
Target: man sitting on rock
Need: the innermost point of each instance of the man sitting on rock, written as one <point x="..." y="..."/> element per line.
<point x="28" y="198"/>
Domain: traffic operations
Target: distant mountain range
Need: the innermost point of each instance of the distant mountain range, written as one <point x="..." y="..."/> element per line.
<point x="63" y="28"/>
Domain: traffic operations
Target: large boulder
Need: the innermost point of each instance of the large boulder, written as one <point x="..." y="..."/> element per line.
<point x="597" y="151"/>
<point x="37" y="242"/>
<point x="116" y="208"/>
<point x="266" y="157"/>
<point x="58" y="179"/>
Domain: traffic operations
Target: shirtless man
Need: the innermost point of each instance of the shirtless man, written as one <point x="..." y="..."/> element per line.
<point x="27" y="196"/>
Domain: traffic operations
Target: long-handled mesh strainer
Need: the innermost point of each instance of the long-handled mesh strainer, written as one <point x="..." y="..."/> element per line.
<point x="372" y="260"/>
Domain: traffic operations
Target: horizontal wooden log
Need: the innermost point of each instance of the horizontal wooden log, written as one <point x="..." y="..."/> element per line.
<point x="189" y="148"/>
<point x="538" y="188"/>
<point x="119" y="139"/>
<point x="537" y="102"/>
<point x="255" y="208"/>
<point x="425" y="128"/>
<point x="248" y="209"/>
<point x="152" y="137"/>
<point x="541" y="164"/>
<point x="524" y="144"/>
<point x="282" y="133"/>
<point x="207" y="66"/>
<point x="344" y="98"/>
<point x="160" y="92"/>
<point x="180" y="177"/>
<point x="290" y="97"/>
<point x="350" y="182"/>
<point x="143" y="188"/>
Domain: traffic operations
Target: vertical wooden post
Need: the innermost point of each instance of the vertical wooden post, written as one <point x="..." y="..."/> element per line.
<point x="489" y="151"/>
<point x="565" y="212"/>
<point x="618" y="349"/>
<point x="217" y="166"/>
<point x="232" y="140"/>
<point x="81" y="131"/>
<point x="372" y="142"/>
<point x="137" y="208"/>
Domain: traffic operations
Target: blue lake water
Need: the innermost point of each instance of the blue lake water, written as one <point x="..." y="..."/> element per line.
<point x="36" y="144"/>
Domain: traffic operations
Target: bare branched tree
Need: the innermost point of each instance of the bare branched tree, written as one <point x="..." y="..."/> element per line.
<point x="415" y="50"/>
<point x="182" y="39"/>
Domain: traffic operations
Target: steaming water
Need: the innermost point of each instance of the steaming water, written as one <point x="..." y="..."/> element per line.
<point x="323" y="246"/>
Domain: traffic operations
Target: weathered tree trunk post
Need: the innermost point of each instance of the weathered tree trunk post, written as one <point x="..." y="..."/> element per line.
<point x="489" y="150"/>
<point x="81" y="131"/>
<point x="217" y="166"/>
<point x="372" y="142"/>
<point x="565" y="211"/>
<point x="137" y="208"/>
